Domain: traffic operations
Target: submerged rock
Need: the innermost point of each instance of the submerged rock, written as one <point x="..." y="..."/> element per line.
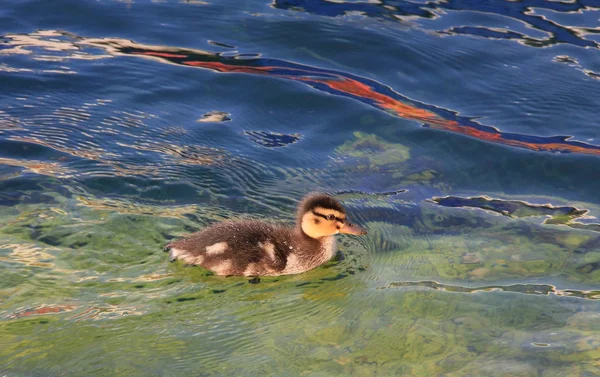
<point x="470" y="258"/>
<point x="215" y="116"/>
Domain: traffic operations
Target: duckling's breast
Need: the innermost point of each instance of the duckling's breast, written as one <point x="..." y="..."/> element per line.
<point x="310" y="256"/>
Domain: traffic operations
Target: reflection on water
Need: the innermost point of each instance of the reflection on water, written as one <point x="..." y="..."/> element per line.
<point x="123" y="206"/>
<point x="359" y="88"/>
<point x="93" y="141"/>
<point x="537" y="15"/>
<point x="530" y="22"/>
<point x="272" y="139"/>
<point x="557" y="215"/>
<point x="344" y="84"/>
<point x="39" y="167"/>
<point x="111" y="146"/>
<point x="42" y="310"/>
<point x="517" y="288"/>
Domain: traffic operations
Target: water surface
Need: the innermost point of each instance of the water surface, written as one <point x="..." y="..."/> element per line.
<point x="463" y="134"/>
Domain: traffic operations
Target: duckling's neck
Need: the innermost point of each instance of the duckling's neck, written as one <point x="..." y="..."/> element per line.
<point x="324" y="247"/>
<point x="301" y="235"/>
<point x="307" y="253"/>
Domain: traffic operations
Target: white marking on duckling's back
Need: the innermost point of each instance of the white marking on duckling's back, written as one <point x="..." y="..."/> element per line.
<point x="269" y="248"/>
<point x="251" y="270"/>
<point x="188" y="258"/>
<point x="218" y="248"/>
<point x="223" y="267"/>
<point x="174" y="253"/>
<point x="185" y="256"/>
<point x="293" y="265"/>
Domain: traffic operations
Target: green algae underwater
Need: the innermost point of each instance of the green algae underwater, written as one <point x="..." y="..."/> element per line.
<point x="431" y="291"/>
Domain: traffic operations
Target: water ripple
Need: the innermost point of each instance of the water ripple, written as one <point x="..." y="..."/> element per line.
<point x="40" y="310"/>
<point x="531" y="289"/>
<point x="272" y="139"/>
<point x="53" y="169"/>
<point x="529" y="12"/>
<point x="344" y="84"/>
<point x="565" y="215"/>
<point x="73" y="132"/>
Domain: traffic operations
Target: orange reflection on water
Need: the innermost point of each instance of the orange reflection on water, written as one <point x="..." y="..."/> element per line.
<point x="42" y="310"/>
<point x="398" y="108"/>
<point x="53" y="169"/>
<point x="105" y="312"/>
<point x="333" y="82"/>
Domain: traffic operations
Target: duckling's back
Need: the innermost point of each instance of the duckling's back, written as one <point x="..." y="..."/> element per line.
<point x="250" y="248"/>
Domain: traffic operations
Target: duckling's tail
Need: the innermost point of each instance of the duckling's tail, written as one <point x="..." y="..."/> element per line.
<point x="169" y="248"/>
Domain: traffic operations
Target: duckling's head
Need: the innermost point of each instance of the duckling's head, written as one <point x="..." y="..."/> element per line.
<point x="320" y="215"/>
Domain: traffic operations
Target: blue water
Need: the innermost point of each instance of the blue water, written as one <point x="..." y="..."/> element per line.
<point x="463" y="134"/>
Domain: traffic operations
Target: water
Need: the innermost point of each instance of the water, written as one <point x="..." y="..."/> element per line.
<point x="463" y="134"/>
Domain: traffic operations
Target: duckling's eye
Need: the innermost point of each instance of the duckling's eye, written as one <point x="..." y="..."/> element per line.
<point x="330" y="217"/>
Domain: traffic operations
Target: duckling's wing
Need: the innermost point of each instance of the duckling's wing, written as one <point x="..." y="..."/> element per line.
<point x="235" y="248"/>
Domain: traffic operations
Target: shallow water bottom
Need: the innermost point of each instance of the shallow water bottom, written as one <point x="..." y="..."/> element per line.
<point x="405" y="300"/>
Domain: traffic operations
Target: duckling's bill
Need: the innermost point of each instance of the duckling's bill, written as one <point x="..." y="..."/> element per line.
<point x="354" y="229"/>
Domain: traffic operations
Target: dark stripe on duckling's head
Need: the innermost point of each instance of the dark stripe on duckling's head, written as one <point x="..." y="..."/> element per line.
<point x="329" y="216"/>
<point x="312" y="201"/>
<point x="320" y="215"/>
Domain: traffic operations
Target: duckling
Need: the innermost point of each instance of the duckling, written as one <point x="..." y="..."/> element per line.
<point x="256" y="248"/>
